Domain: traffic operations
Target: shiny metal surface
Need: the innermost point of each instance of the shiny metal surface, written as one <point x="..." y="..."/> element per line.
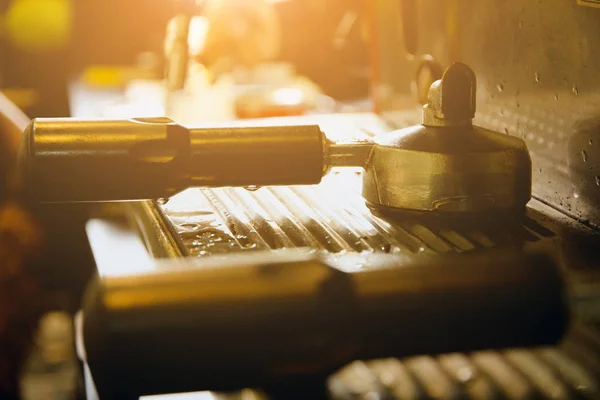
<point x="446" y="165"/>
<point x="537" y="73"/>
<point x="332" y="215"/>
<point x="70" y="160"/>
<point x="569" y="371"/>
<point x="80" y="160"/>
<point x="449" y="169"/>
<point x="451" y="101"/>
<point x="256" y="156"/>
<point x="261" y="322"/>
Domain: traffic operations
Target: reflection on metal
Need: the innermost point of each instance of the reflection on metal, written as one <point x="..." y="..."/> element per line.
<point x="589" y="3"/>
<point x="156" y="232"/>
<point x="117" y="250"/>
<point x="537" y="80"/>
<point x="447" y="164"/>
<point x="569" y="371"/>
<point x="70" y="160"/>
<point x="260" y="320"/>
<point x="331" y="216"/>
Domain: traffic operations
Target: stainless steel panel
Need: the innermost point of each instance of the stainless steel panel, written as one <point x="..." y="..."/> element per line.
<point x="537" y="65"/>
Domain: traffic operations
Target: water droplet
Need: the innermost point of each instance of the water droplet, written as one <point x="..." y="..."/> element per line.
<point x="421" y="249"/>
<point x="188" y="227"/>
<point x="252" y="188"/>
<point x="386" y="248"/>
<point x="500" y="87"/>
<point x="583" y="155"/>
<point x="597" y="180"/>
<point x="506" y="131"/>
<point x="575" y="90"/>
<point x="591" y="141"/>
<point x="162" y="201"/>
<point x="536" y="77"/>
<point x="576" y="195"/>
<point x="465" y="374"/>
<point x="556" y="97"/>
<point x="521" y="24"/>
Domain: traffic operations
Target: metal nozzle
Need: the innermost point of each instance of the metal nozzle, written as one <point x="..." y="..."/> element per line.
<point x="349" y="154"/>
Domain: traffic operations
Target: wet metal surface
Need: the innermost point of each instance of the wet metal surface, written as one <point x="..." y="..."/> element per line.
<point x="537" y="70"/>
<point x="559" y="373"/>
<point x="331" y="216"/>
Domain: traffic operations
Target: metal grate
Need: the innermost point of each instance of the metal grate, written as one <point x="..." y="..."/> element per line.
<point x="559" y="373"/>
<point x="331" y="216"/>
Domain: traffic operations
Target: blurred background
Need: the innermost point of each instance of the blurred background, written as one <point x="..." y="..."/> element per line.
<point x="46" y="45"/>
<point x="194" y="60"/>
<point x="207" y="61"/>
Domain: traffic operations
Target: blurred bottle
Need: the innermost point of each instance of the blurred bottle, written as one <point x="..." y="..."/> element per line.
<point x="240" y="33"/>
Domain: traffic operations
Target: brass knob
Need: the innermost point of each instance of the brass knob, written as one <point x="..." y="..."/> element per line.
<point x="452" y="99"/>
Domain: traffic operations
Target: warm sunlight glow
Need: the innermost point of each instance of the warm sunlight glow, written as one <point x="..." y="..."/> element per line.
<point x="288" y="96"/>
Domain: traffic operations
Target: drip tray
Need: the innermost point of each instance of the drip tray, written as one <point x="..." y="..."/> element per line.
<point x="331" y="216"/>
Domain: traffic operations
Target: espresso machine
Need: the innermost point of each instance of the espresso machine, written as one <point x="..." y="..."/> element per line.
<point x="438" y="247"/>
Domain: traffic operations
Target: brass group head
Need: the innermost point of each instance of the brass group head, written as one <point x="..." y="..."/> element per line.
<point x="447" y="165"/>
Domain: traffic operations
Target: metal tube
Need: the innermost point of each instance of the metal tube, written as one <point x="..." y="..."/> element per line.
<point x="257" y="156"/>
<point x="260" y="321"/>
<point x="70" y="160"/>
<point x="349" y="154"/>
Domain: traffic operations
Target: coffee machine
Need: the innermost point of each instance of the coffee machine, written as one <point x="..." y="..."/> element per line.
<point x="268" y="254"/>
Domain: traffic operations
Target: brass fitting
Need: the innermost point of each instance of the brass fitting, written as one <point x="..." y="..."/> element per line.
<point x="447" y="165"/>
